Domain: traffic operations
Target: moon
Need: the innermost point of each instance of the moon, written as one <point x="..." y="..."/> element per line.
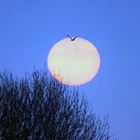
<point x="73" y="62"/>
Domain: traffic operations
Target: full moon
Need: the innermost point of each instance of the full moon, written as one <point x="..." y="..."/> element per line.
<point x="73" y="62"/>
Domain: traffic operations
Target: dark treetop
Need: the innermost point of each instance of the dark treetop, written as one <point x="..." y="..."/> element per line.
<point x="39" y="108"/>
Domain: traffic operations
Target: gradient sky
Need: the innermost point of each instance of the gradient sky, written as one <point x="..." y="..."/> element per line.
<point x="29" y="28"/>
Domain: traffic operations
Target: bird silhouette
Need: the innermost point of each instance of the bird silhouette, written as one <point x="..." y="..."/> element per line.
<point x="72" y="38"/>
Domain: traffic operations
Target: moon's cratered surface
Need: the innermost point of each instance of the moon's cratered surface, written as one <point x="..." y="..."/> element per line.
<point x="73" y="62"/>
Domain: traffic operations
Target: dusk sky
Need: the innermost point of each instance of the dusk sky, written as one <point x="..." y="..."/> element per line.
<point x="29" y="29"/>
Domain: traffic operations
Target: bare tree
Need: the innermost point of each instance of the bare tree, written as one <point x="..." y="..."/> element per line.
<point x="37" y="107"/>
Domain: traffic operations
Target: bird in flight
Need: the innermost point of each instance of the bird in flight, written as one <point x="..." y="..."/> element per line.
<point x="72" y="38"/>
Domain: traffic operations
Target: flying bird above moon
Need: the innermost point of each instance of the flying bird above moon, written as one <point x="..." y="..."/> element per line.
<point x="72" y="38"/>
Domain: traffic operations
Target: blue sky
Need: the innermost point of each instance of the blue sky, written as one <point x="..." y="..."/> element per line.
<point x="29" y="28"/>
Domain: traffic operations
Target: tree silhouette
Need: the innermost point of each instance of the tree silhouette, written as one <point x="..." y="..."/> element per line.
<point x="37" y="107"/>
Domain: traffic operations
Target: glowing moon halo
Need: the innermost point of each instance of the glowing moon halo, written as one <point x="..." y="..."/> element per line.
<point x="73" y="62"/>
